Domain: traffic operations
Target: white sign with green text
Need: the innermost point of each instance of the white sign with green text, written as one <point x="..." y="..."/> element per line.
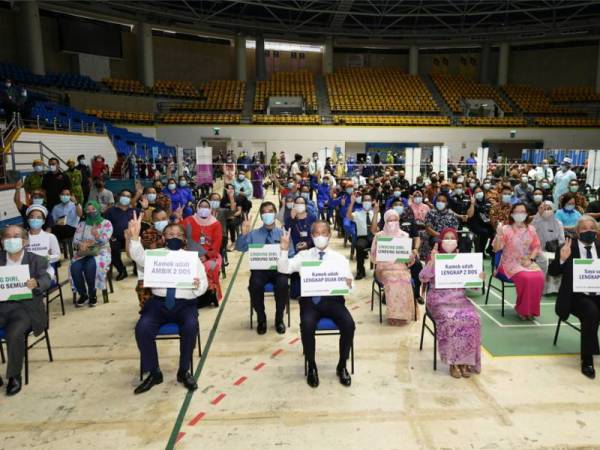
<point x="263" y="256"/>
<point x="393" y="249"/>
<point x="165" y="268"/>
<point x="322" y="278"/>
<point x="13" y="280"/>
<point x="586" y="275"/>
<point x="458" y="270"/>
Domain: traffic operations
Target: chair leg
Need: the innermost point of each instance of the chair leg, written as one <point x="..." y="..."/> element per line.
<point x="352" y="358"/>
<point x="372" y="294"/>
<point x="289" y="313"/>
<point x="557" y="330"/>
<point x="62" y="299"/>
<point x="423" y="330"/>
<point x="199" y="343"/>
<point x="381" y="297"/>
<point x="104" y="295"/>
<point x="502" y="299"/>
<point x="487" y="295"/>
<point x="26" y="361"/>
<point x="434" y="346"/>
<point x="2" y="357"/>
<point x="251" y="314"/>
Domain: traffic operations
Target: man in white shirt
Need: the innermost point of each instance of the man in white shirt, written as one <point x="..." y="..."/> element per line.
<point x="166" y="306"/>
<point x="362" y="217"/>
<point x="315" y="166"/>
<point x="312" y="309"/>
<point x="540" y="173"/>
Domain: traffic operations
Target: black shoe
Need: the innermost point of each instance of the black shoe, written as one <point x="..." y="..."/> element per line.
<point x="280" y="326"/>
<point x="420" y="300"/>
<point x="312" y="377"/>
<point x="588" y="371"/>
<point x="188" y="380"/>
<point x="82" y="300"/>
<point x="261" y="327"/>
<point x="13" y="386"/>
<point x="121" y="276"/>
<point x="360" y="275"/>
<point x="93" y="301"/>
<point x="149" y="382"/>
<point x="344" y="376"/>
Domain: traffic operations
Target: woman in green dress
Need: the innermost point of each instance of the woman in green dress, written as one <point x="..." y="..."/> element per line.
<point x="75" y="178"/>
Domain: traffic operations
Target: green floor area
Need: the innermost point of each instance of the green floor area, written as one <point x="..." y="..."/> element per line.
<point x="510" y="336"/>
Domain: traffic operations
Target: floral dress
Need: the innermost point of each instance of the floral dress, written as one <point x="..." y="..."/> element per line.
<point x="84" y="233"/>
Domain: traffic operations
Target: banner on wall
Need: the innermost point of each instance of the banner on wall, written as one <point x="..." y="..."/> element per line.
<point x="204" y="165"/>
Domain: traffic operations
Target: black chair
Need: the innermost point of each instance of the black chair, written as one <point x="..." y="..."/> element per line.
<point x="67" y="247"/>
<point x="55" y="291"/>
<point x="575" y="327"/>
<point x="377" y="290"/>
<point x="270" y="289"/>
<point x="224" y="262"/>
<point x="432" y="331"/>
<point x="327" y="327"/>
<point x="28" y="346"/>
<point x="170" y="332"/>
<point x="504" y="280"/>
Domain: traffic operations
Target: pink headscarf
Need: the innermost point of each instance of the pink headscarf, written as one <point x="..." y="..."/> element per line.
<point x="421" y="210"/>
<point x="392" y="227"/>
<point x="204" y="222"/>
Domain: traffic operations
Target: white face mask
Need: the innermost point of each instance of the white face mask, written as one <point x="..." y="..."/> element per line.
<point x="321" y="241"/>
<point x="519" y="217"/>
<point x="449" y="245"/>
<point x="548" y="214"/>
<point x="300" y="208"/>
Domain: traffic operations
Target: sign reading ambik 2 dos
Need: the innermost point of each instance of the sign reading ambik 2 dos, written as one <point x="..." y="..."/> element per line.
<point x="321" y="278"/>
<point x="586" y="275"/>
<point x="164" y="268"/>
<point x="13" y="283"/>
<point x="458" y="270"/>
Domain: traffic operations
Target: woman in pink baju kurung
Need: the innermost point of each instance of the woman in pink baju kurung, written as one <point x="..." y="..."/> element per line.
<point x="457" y="321"/>
<point x="395" y="276"/>
<point x="520" y="245"/>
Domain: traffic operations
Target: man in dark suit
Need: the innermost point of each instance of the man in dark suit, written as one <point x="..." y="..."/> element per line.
<point x="20" y="317"/>
<point x="583" y="305"/>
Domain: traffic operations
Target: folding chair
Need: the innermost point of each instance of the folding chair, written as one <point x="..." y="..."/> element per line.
<point x="28" y="346"/>
<point x="327" y="327"/>
<point x="575" y="327"/>
<point x="432" y="330"/>
<point x="270" y="289"/>
<point x="501" y="277"/>
<point x="55" y="290"/>
<point x="170" y="332"/>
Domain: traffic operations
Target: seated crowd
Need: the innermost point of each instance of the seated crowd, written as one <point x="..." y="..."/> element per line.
<point x="533" y="222"/>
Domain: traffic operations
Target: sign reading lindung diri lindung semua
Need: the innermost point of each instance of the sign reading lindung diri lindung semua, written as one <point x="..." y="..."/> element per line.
<point x="164" y="268"/>
<point x="458" y="270"/>
<point x="321" y="278"/>
<point x="393" y="249"/>
<point x="263" y="256"/>
<point x="586" y="275"/>
<point x="13" y="283"/>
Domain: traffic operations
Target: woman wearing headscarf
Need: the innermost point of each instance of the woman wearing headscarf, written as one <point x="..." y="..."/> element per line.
<point x="395" y="276"/>
<point x="204" y="235"/>
<point x="91" y="260"/>
<point x="457" y="322"/>
<point x="257" y="174"/>
<point x="551" y="233"/>
<point x="40" y="242"/>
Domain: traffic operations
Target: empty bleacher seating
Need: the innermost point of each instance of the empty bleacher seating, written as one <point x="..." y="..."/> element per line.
<point x="220" y="95"/>
<point x="171" y="88"/>
<point x="454" y="88"/>
<point x="378" y="90"/>
<point x="391" y="120"/>
<point x="21" y="75"/>
<point x="189" y="118"/>
<point x="287" y="84"/>
<point x="532" y="100"/>
<point x="493" y="121"/>
<point x="284" y="119"/>
<point x="126" y="86"/>
<point x="582" y="122"/>
<point x="575" y="94"/>
<point x="121" y="116"/>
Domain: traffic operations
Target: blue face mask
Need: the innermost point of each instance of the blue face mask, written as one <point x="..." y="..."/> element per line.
<point x="125" y="201"/>
<point x="161" y="225"/>
<point x="305" y="195"/>
<point x="182" y="183"/>
<point x="65" y="198"/>
<point x="569" y="207"/>
<point x="37" y="201"/>
<point x="506" y="198"/>
<point x="399" y="209"/>
<point x="397" y="194"/>
<point x="215" y="204"/>
<point x="349" y="190"/>
<point x="268" y="218"/>
<point x="151" y="198"/>
<point x="13" y="245"/>
<point x="440" y="206"/>
<point x="290" y="185"/>
<point x="36" y="224"/>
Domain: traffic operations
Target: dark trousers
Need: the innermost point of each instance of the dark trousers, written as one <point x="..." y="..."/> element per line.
<point x="362" y="245"/>
<point x="333" y="308"/>
<point x="153" y="315"/>
<point x="63" y="232"/>
<point x="16" y="323"/>
<point x="483" y="236"/>
<point x="587" y="310"/>
<point x="83" y="272"/>
<point x="258" y="279"/>
<point x="415" y="270"/>
<point x="117" y="245"/>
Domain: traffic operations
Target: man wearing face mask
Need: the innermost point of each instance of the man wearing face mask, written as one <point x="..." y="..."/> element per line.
<point x="311" y="207"/>
<point x="362" y="218"/>
<point x="501" y="210"/>
<point x="267" y="234"/>
<point x="479" y="223"/>
<point x="562" y="179"/>
<point x="541" y="172"/>
<point x="324" y="191"/>
<point x="86" y="176"/>
<point x="20" y="317"/>
<point x="172" y="305"/>
<point x="188" y="197"/>
<point x="418" y="186"/>
<point x="584" y="305"/>
<point x="581" y="201"/>
<point x="243" y="191"/>
<point x="119" y="216"/>
<point x="524" y="190"/>
<point x="34" y="180"/>
<point x="312" y="309"/>
<point x="102" y="195"/>
<point x="66" y="215"/>
<point x="315" y="168"/>
<point x="54" y="182"/>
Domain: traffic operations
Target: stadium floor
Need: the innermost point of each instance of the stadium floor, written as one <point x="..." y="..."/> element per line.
<point x="252" y="392"/>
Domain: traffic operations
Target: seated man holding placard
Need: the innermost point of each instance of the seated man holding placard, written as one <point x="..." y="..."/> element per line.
<point x="21" y="299"/>
<point x="169" y="304"/>
<point x="262" y="245"/>
<point x="314" y="303"/>
<point x="572" y="299"/>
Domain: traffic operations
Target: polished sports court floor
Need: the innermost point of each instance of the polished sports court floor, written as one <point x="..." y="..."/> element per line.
<point x="252" y="393"/>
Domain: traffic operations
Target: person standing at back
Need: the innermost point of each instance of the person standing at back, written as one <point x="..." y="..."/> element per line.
<point x="54" y="182"/>
<point x="86" y="177"/>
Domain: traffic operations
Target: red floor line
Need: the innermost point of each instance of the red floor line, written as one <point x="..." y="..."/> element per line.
<point x="197" y="419"/>
<point x="293" y="341"/>
<point x="179" y="436"/>
<point x="276" y="352"/>
<point x="240" y="380"/>
<point x="218" y="398"/>
<point x="259" y="366"/>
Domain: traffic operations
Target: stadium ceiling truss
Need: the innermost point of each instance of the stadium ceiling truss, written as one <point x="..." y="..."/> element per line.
<point x="401" y="21"/>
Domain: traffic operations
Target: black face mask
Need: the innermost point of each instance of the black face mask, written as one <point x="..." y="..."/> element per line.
<point x="174" y="244"/>
<point x="587" y="237"/>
